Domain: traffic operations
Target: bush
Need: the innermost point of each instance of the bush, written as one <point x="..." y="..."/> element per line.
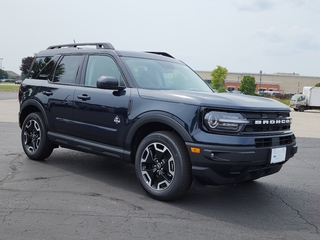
<point x="281" y="97"/>
<point x="221" y="90"/>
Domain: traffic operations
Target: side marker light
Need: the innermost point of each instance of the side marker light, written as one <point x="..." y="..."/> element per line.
<point x="195" y="150"/>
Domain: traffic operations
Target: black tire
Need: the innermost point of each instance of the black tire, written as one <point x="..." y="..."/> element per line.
<point x="163" y="166"/>
<point x="301" y="109"/>
<point x="34" y="137"/>
<point x="296" y="109"/>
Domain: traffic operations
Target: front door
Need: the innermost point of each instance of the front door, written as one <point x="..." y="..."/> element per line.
<point x="100" y="115"/>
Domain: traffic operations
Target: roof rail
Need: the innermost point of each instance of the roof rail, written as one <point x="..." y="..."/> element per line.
<point x="162" y="53"/>
<point x="74" y="45"/>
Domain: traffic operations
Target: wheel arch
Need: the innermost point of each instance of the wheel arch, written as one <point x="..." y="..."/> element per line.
<point x="31" y="106"/>
<point x="152" y="123"/>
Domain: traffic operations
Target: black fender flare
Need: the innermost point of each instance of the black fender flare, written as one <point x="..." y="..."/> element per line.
<point x="161" y="118"/>
<point x="34" y="103"/>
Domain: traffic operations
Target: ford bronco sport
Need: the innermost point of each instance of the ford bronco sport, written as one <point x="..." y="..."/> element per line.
<point x="151" y="110"/>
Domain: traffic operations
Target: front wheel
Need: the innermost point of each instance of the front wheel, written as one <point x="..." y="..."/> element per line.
<point x="34" y="137"/>
<point x="301" y="109"/>
<point x="163" y="166"/>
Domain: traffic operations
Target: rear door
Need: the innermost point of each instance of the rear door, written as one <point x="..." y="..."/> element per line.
<point x="58" y="93"/>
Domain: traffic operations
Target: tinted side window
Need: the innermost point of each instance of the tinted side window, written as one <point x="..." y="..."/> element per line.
<point x="100" y="66"/>
<point x="38" y="64"/>
<point x="47" y="70"/>
<point x="68" y="69"/>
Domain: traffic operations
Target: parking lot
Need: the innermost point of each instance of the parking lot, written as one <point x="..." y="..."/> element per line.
<point x="74" y="195"/>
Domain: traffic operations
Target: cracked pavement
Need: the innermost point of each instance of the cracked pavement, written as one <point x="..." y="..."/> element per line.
<point x="74" y="195"/>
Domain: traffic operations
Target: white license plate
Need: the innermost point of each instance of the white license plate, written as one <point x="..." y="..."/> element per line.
<point x="278" y="155"/>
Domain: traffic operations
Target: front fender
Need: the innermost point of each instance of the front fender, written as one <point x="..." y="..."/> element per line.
<point x="159" y="118"/>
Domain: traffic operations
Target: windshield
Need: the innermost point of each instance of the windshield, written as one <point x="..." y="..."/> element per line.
<point x="162" y="75"/>
<point x="295" y="97"/>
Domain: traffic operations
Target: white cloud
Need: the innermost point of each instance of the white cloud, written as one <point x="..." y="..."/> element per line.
<point x="263" y="5"/>
<point x="271" y="34"/>
<point x="305" y="38"/>
<point x="254" y="5"/>
<point x="291" y="41"/>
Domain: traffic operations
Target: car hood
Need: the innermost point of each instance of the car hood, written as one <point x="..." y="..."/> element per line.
<point x="215" y="100"/>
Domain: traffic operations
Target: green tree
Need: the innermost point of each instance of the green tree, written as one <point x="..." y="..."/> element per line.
<point x="318" y="84"/>
<point x="3" y="74"/>
<point x="248" y="85"/>
<point x="218" y="75"/>
<point x="26" y="64"/>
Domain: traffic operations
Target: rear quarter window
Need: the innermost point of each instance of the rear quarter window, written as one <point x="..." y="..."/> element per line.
<point x="38" y="65"/>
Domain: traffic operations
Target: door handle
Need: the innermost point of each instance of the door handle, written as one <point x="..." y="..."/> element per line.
<point x="47" y="93"/>
<point x="84" y="97"/>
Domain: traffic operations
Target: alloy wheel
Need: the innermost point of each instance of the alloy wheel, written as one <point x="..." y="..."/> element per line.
<point x="157" y="166"/>
<point x="32" y="135"/>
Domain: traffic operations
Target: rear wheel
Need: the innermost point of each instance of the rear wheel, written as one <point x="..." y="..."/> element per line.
<point x="34" y="137"/>
<point x="163" y="166"/>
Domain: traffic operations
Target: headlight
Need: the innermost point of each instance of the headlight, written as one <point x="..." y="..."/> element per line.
<point x="224" y="121"/>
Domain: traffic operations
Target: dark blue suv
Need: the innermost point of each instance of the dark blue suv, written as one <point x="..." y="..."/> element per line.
<point x="152" y="110"/>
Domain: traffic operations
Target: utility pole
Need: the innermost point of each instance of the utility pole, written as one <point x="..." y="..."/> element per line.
<point x="260" y="82"/>
<point x="1" y="76"/>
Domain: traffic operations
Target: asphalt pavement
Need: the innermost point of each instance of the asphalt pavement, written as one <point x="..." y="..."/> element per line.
<point x="73" y="195"/>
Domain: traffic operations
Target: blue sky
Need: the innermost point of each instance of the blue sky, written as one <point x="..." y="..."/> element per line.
<point x="241" y="35"/>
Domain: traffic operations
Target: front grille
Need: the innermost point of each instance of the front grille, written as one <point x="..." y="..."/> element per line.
<point x="267" y="122"/>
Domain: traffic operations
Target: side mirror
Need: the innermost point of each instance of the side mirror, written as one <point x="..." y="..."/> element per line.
<point x="108" y="82"/>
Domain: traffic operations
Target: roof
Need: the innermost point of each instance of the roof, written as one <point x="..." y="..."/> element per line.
<point x="12" y="74"/>
<point x="100" y="47"/>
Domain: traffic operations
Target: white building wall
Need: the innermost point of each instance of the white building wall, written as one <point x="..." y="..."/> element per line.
<point x="289" y="83"/>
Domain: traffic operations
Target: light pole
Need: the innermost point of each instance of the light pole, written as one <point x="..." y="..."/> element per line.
<point x="260" y="81"/>
<point x="1" y="76"/>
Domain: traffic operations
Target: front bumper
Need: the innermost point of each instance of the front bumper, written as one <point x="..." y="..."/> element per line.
<point x="294" y="105"/>
<point x="217" y="165"/>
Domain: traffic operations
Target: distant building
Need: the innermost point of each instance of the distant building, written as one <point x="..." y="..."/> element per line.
<point x="282" y="82"/>
<point x="12" y="75"/>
